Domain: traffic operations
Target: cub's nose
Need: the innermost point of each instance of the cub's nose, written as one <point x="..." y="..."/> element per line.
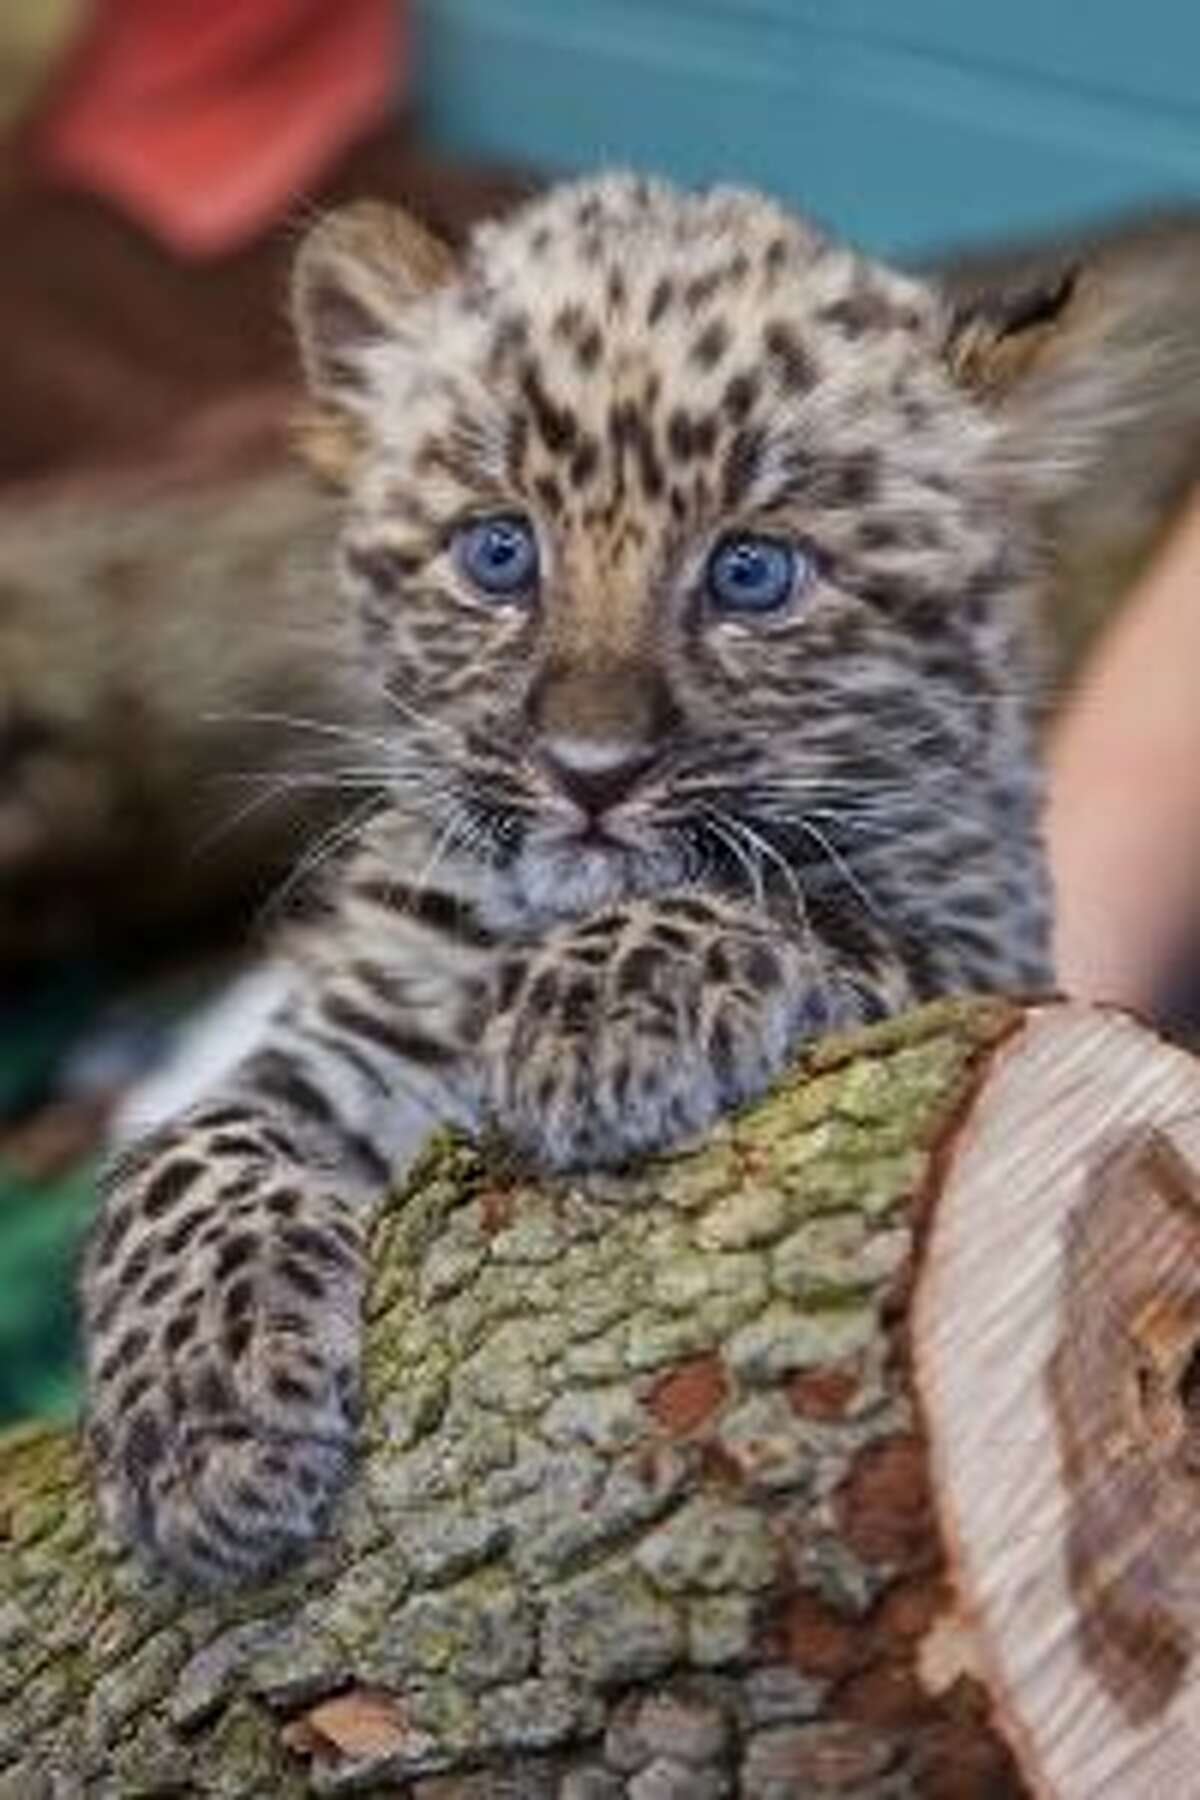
<point x="596" y="775"/>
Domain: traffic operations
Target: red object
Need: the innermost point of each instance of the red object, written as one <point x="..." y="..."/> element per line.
<point x="207" y="118"/>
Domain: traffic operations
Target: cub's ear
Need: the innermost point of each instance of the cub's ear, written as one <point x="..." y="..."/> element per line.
<point x="355" y="276"/>
<point x="1039" y="354"/>
<point x="995" y="339"/>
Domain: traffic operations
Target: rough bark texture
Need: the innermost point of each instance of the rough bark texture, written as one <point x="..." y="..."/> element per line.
<point x="643" y="1509"/>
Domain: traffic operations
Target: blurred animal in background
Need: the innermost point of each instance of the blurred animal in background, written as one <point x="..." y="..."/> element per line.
<point x="168" y="674"/>
<point x="1134" y="306"/>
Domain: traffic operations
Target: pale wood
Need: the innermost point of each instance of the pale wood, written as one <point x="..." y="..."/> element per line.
<point x="1061" y="1269"/>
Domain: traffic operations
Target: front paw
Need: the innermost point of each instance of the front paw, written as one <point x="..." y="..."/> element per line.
<point x="222" y="1383"/>
<point x="600" y="1059"/>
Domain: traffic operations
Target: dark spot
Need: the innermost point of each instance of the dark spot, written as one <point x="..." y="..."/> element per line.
<point x="143" y="1446"/>
<point x="180" y="1330"/>
<point x="135" y="1390"/>
<point x="863" y="309"/>
<point x="227" y="1143"/>
<point x="405" y="1045"/>
<point x="212" y="1393"/>
<point x="549" y="493"/>
<point x="710" y="346"/>
<point x="158" y="1287"/>
<point x="716" y="966"/>
<point x="879" y="534"/>
<point x="853" y="481"/>
<point x="288" y="1390"/>
<point x="721" y="1051"/>
<point x="588" y="350"/>
<point x="698" y="911"/>
<point x="380" y="568"/>
<point x="741" y="392"/>
<point x="235" y="1253"/>
<point x="276" y="1075"/>
<point x="516" y="444"/>
<point x="509" y="340"/>
<point x="792" y="363"/>
<point x="556" y="425"/>
<point x="679" y="434"/>
<point x="306" y="1240"/>
<point x="512" y="973"/>
<point x="670" y="937"/>
<point x="137" y="1264"/>
<point x="168" y="1186"/>
<point x="429" y="906"/>
<point x="762" y="968"/>
<point x="616" y="290"/>
<point x="211" y="1119"/>
<point x="628" y="429"/>
<point x="239" y="1298"/>
<point x="578" y="1006"/>
<point x="583" y="462"/>
<point x="743" y="460"/>
<point x="307" y="1480"/>
<point x="637" y="969"/>
<point x="298" y="1276"/>
<point x="568" y="322"/>
<point x="113" y="1232"/>
<point x="283" y="1202"/>
<point x="700" y="290"/>
<point x="543" y="994"/>
<point x="775" y="255"/>
<point x="237" y="1339"/>
<point x="660" y="299"/>
<point x="250" y="1498"/>
<point x="185" y="1231"/>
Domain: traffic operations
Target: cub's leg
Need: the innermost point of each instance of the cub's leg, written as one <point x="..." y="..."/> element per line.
<point x="223" y="1281"/>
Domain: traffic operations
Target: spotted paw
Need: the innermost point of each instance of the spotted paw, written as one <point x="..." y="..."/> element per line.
<point x="599" y="1059"/>
<point x="222" y="1340"/>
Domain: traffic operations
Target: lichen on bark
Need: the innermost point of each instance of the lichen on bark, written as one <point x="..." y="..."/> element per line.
<point x="640" y="1508"/>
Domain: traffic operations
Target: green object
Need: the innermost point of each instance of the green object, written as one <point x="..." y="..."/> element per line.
<point x="903" y="127"/>
<point x="39" y="1025"/>
<point x="41" y="1227"/>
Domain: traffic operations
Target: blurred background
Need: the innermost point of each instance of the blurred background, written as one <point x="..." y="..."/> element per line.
<point x="169" y="666"/>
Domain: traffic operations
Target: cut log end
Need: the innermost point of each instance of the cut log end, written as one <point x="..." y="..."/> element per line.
<point x="1057" y="1358"/>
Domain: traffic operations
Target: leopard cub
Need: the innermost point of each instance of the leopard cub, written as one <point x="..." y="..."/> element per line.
<point x="690" y="555"/>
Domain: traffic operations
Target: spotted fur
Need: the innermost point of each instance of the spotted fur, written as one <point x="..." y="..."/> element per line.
<point x="633" y="852"/>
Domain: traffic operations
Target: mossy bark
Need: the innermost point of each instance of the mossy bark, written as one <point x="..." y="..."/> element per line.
<point x="643" y="1508"/>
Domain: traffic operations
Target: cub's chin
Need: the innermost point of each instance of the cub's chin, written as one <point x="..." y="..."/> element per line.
<point x="573" y="876"/>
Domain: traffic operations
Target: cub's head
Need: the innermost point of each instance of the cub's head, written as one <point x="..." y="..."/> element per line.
<point x="685" y="543"/>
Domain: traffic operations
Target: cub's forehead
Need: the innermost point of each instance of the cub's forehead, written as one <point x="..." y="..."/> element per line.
<point x="623" y="264"/>
<point x="620" y="323"/>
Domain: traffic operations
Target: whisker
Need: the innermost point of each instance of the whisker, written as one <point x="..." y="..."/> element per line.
<point x="718" y="824"/>
<point x="297" y="722"/>
<point x="839" y="862"/>
<point x="318" y="856"/>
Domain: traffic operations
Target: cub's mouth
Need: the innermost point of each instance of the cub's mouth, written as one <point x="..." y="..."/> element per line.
<point x="567" y="872"/>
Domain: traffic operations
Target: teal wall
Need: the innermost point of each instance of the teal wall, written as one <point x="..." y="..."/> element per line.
<point x="903" y="123"/>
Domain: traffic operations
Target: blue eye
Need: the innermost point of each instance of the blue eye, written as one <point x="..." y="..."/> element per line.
<point x="751" y="574"/>
<point x="499" y="555"/>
